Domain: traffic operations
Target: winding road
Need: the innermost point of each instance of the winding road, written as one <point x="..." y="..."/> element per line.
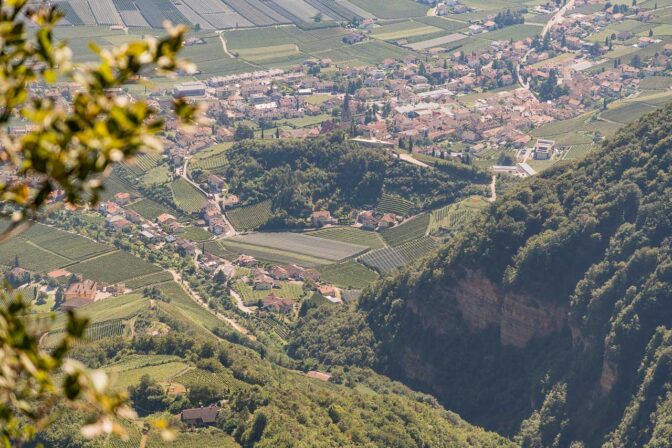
<point x="554" y="20"/>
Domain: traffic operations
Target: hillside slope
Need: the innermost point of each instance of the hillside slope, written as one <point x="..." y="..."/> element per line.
<point x="556" y="307"/>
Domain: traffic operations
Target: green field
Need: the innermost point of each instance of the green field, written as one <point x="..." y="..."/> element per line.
<point x="456" y="215"/>
<point x="186" y="196"/>
<point x="251" y="216"/>
<point x="390" y="203"/>
<point x="156" y="176"/>
<point x="402" y="30"/>
<point x="273" y="256"/>
<point x="390" y="258"/>
<point x="149" y="279"/>
<point x="114" y="267"/>
<point x="415" y="227"/>
<point x="348" y="275"/>
<point x="194" y="233"/>
<point x="149" y="209"/>
<point x="303" y="244"/>
<point x="392" y="9"/>
<point x="268" y="53"/>
<point x="351" y="235"/>
<point x="287" y="290"/>
<point x="122" y="307"/>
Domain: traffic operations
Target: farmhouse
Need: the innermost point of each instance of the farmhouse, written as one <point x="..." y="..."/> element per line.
<point x="322" y="218"/>
<point x="246" y="260"/>
<point x="205" y="416"/>
<point x="279" y="273"/>
<point x="84" y="290"/>
<point x="263" y="282"/>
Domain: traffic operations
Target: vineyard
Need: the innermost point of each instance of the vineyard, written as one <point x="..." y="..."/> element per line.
<point x="456" y="216"/>
<point x="390" y="258"/>
<point x="149" y="209"/>
<point x="348" y="275"/>
<point x="251" y="216"/>
<point x="390" y="203"/>
<point x="299" y="243"/>
<point x="71" y="246"/>
<point x="351" y="235"/>
<point x="194" y="233"/>
<point x="114" y="267"/>
<point x="94" y="332"/>
<point x="412" y="229"/>
<point x="143" y="163"/>
<point x="148" y="280"/>
<point x="270" y="325"/>
<point x="186" y="196"/>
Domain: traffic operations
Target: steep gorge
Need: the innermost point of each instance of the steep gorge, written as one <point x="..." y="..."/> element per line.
<point x="551" y="312"/>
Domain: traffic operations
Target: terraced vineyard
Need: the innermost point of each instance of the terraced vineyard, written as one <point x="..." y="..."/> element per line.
<point x="94" y="332"/>
<point x="414" y="228"/>
<point x="390" y="203"/>
<point x="271" y="325"/>
<point x="350" y="235"/>
<point x="199" y="377"/>
<point x="186" y="196"/>
<point x="148" y="280"/>
<point x="456" y="216"/>
<point x="383" y="260"/>
<point x="390" y="258"/>
<point x="251" y="216"/>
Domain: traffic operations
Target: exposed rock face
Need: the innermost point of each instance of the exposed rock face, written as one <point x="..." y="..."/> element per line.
<point x="608" y="378"/>
<point x="519" y="317"/>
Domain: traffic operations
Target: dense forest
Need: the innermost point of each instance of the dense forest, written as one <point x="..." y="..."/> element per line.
<point x="550" y="320"/>
<point x="330" y="173"/>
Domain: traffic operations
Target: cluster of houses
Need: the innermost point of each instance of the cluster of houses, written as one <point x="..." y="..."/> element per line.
<point x="371" y="220"/>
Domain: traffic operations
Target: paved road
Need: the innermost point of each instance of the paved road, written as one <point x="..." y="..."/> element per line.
<point x="239" y="302"/>
<point x="196" y="298"/>
<point x="557" y="18"/>
<point x="493" y="189"/>
<point x="410" y="159"/>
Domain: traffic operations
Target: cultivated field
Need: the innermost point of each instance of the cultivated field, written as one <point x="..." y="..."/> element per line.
<point x="390" y="203"/>
<point x="350" y="235"/>
<point x="303" y="244"/>
<point x="186" y="196"/>
<point x="288" y="290"/>
<point x="149" y="209"/>
<point x="348" y="275"/>
<point x="414" y="228"/>
<point x="390" y="258"/>
<point x="251" y="216"/>
<point x="456" y="215"/>
<point x="114" y="267"/>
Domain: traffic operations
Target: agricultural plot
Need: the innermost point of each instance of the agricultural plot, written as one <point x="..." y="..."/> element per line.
<point x="114" y="267"/>
<point x="390" y="258"/>
<point x="105" y="12"/>
<point x="302" y="244"/>
<point x="287" y="290"/>
<point x="123" y="307"/>
<point x="156" y="176"/>
<point x="628" y="112"/>
<point x="198" y="377"/>
<point x="390" y="203"/>
<point x="183" y="308"/>
<point x="272" y="256"/>
<point x="392" y="9"/>
<point x="436" y="42"/>
<point x="301" y="9"/>
<point x="456" y="215"/>
<point x="186" y="196"/>
<point x="122" y="377"/>
<point x="269" y="53"/>
<point x="71" y="246"/>
<point x="515" y="32"/>
<point x="143" y="163"/>
<point x="348" y="275"/>
<point x="157" y="11"/>
<point x="94" y="332"/>
<point x="83" y="11"/>
<point x="401" y="30"/>
<point x="113" y="185"/>
<point x="442" y="22"/>
<point x="149" y="280"/>
<point x="195" y="234"/>
<point x="333" y="9"/>
<point x="149" y="209"/>
<point x="350" y="235"/>
<point x="255" y="12"/>
<point x="383" y="260"/>
<point x="414" y="228"/>
<point x="251" y="216"/>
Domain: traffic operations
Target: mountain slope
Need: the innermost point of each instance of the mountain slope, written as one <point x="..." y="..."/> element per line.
<point x="558" y="301"/>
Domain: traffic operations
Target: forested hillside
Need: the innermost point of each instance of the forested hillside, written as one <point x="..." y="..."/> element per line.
<point x="551" y="318"/>
<point x="332" y="174"/>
